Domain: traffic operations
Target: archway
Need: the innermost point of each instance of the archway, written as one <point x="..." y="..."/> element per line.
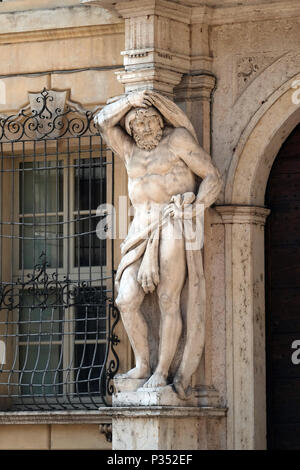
<point x="244" y="216"/>
<point x="283" y="297"/>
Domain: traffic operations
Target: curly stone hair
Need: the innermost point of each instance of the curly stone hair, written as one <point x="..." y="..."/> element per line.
<point x="140" y="113"/>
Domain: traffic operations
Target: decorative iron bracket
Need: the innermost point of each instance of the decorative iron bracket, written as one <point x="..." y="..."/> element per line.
<point x="106" y="429"/>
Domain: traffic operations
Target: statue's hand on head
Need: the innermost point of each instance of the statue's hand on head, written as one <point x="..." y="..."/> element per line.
<point x="140" y="99"/>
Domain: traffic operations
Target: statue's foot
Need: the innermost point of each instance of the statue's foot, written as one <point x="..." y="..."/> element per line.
<point x="141" y="372"/>
<point x="155" y="381"/>
<point x="181" y="389"/>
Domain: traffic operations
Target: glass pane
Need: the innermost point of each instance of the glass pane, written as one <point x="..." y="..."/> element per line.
<point x="42" y="369"/>
<point x="90" y="314"/>
<point x="90" y="183"/>
<point x="89" y="249"/>
<point x="41" y="236"/>
<point x="89" y="360"/>
<point x="40" y="316"/>
<point x="41" y="187"/>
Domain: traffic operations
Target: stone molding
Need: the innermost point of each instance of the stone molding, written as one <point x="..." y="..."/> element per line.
<point x="214" y="16"/>
<point x="171" y="10"/>
<point x="105" y="415"/>
<point x="242" y="215"/>
<point x="245" y="13"/>
<point x="157" y="56"/>
<point x="16" y="20"/>
<point x="167" y="412"/>
<point x="100" y="416"/>
<point x="181" y="12"/>
<point x="162" y="80"/>
<point x="20" y="5"/>
<point x="61" y="33"/>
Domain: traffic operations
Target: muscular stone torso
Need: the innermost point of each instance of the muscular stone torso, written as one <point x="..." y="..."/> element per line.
<point x="155" y="176"/>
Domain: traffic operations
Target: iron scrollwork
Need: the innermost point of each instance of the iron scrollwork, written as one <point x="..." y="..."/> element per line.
<point x="48" y="291"/>
<point x="50" y="116"/>
<point x="114" y="363"/>
<point x="46" y="121"/>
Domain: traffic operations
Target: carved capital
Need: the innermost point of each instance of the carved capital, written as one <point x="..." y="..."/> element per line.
<point x="154" y="78"/>
<point x="196" y="86"/>
<point x="243" y="214"/>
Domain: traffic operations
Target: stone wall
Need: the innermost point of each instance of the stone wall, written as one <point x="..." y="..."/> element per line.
<point x="256" y="58"/>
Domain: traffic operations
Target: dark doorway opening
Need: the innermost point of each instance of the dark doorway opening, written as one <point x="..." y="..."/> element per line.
<point x="283" y="297"/>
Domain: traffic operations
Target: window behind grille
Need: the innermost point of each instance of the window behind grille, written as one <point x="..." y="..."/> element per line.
<point x="56" y="275"/>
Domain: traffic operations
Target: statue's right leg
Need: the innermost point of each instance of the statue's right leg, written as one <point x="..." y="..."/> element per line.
<point x="129" y="301"/>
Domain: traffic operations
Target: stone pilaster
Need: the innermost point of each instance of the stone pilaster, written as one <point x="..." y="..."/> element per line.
<point x="194" y="95"/>
<point x="245" y="325"/>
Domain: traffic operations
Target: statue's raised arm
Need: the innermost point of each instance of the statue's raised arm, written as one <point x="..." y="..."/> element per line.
<point x="108" y="120"/>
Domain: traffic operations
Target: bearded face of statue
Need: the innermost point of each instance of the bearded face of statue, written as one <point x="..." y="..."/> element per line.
<point x="147" y="130"/>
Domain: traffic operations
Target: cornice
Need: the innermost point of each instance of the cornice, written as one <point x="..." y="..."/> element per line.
<point x="61" y="33"/>
<point x="245" y="13"/>
<point x="167" y="411"/>
<point x="9" y="6"/>
<point x="213" y="15"/>
<point x="174" y="11"/>
<point x="105" y="415"/>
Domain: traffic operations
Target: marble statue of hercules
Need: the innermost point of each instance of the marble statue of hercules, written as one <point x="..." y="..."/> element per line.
<point x="162" y="163"/>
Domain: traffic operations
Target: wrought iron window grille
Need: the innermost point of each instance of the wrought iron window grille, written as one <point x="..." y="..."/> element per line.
<point x="57" y="313"/>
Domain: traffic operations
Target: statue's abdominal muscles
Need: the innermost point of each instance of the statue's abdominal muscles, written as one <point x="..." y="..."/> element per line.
<point x="157" y="175"/>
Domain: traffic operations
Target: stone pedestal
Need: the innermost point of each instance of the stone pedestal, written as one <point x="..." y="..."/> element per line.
<point x="157" y="419"/>
<point x="168" y="428"/>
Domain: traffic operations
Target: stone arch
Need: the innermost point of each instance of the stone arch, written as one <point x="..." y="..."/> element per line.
<point x="258" y="146"/>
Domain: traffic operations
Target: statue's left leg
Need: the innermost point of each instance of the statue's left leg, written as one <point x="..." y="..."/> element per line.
<point x="172" y="278"/>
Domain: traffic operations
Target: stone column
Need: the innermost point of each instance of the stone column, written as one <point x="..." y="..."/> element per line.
<point x="245" y="325"/>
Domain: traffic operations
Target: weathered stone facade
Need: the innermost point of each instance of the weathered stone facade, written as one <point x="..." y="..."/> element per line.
<point x="231" y="66"/>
